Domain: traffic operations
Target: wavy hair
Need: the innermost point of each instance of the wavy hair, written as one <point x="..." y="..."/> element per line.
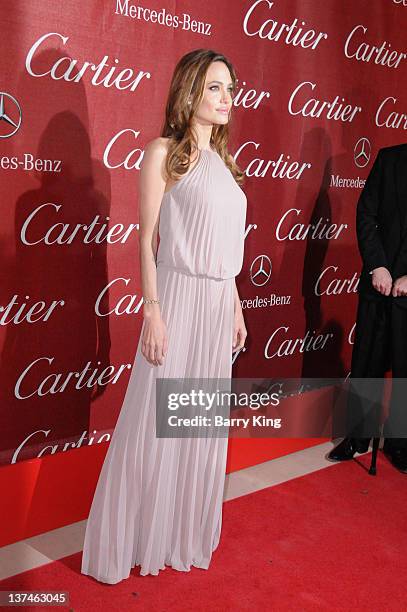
<point x="188" y="81"/>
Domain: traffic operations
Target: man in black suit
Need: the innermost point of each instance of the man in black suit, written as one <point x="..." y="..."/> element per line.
<point x="381" y="322"/>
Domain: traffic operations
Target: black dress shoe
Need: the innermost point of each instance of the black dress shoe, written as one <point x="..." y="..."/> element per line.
<point x="347" y="448"/>
<point x="397" y="456"/>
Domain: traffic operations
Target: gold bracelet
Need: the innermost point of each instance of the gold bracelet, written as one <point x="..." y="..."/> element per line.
<point x="148" y="301"/>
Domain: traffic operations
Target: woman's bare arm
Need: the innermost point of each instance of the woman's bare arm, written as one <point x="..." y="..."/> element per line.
<point x="236" y="298"/>
<point x="151" y="190"/>
<point x="239" y="330"/>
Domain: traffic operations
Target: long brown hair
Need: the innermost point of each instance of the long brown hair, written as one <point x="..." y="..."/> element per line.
<point x="188" y="81"/>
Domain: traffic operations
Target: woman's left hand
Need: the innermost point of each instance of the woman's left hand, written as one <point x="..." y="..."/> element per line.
<point x="239" y="331"/>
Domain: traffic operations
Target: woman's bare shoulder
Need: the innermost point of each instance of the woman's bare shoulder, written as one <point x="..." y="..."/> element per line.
<point x="154" y="158"/>
<point x="157" y="147"/>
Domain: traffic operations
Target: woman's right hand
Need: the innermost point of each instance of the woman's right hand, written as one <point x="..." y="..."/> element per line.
<point x="154" y="342"/>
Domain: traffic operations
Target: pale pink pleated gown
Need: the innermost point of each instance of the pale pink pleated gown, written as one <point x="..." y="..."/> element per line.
<point x="158" y="501"/>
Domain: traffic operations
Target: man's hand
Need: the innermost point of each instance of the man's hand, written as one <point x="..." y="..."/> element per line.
<point x="400" y="287"/>
<point x="382" y="280"/>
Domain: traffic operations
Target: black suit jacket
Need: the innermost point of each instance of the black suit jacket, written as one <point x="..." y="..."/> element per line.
<point x="381" y="223"/>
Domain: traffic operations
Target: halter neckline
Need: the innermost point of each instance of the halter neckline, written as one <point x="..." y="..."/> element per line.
<point x="191" y="171"/>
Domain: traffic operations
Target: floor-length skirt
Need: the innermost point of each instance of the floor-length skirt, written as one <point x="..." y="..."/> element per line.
<point x="158" y="501"/>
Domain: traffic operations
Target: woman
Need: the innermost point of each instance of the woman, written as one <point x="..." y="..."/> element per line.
<point x="158" y="500"/>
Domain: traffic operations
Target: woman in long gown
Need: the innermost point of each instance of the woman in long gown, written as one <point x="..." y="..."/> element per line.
<point x="158" y="501"/>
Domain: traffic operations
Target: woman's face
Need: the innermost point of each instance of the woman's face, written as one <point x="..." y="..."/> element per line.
<point x="217" y="97"/>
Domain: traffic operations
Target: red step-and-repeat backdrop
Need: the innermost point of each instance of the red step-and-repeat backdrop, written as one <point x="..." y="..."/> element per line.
<point x="322" y="86"/>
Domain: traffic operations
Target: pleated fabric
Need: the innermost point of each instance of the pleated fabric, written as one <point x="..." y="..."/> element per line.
<point x="202" y="221"/>
<point x="158" y="501"/>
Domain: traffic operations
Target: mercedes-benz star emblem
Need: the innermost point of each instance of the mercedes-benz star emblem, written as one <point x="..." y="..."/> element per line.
<point x="362" y="152"/>
<point x="260" y="270"/>
<point x="10" y="115"/>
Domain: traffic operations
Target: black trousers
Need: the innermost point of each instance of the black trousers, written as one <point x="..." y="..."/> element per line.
<point x="380" y="345"/>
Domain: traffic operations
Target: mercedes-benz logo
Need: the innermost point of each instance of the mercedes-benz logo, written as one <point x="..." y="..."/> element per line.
<point x="362" y="152"/>
<point x="260" y="270"/>
<point x="10" y="115"/>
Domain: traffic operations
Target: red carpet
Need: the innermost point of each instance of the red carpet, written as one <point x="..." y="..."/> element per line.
<point x="332" y="540"/>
